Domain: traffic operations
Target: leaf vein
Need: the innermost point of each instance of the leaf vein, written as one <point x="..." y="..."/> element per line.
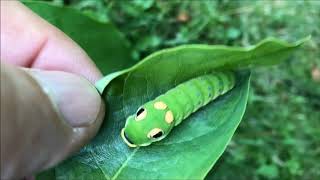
<point x="125" y="163"/>
<point x="94" y="159"/>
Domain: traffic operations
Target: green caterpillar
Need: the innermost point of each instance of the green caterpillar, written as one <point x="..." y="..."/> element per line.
<point x="154" y="120"/>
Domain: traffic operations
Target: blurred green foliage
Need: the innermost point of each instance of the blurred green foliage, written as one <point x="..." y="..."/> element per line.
<point x="279" y="137"/>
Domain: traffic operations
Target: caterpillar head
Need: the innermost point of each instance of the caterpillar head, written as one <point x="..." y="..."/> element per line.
<point x="152" y="122"/>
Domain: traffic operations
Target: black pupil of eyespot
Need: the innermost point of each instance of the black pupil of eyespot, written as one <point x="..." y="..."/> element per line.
<point x="140" y="111"/>
<point x="159" y="134"/>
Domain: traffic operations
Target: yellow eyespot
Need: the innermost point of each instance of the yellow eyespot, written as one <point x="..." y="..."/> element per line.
<point x="141" y="114"/>
<point x="169" y="117"/>
<point x="155" y="133"/>
<point x="160" y="105"/>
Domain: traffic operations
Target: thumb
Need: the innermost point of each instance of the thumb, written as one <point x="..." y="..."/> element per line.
<point x="45" y="116"/>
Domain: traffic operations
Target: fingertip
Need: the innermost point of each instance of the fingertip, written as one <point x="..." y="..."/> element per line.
<point x="38" y="44"/>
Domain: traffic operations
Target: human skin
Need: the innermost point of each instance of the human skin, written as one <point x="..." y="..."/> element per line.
<point x="49" y="106"/>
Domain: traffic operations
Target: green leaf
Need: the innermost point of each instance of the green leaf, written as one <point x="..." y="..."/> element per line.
<point x="101" y="41"/>
<point x="189" y="152"/>
<point x="192" y="148"/>
<point x="202" y="58"/>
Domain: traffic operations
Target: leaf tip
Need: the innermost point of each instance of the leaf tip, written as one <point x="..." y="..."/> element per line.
<point x="303" y="40"/>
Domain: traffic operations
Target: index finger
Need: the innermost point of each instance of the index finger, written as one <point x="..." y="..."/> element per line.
<point x="29" y="41"/>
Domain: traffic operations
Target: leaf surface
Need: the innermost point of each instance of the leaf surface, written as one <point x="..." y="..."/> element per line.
<point x="192" y="148"/>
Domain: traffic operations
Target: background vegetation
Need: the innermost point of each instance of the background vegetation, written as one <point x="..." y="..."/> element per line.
<point x="279" y="136"/>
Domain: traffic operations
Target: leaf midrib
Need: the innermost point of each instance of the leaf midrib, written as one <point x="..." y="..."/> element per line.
<point x="125" y="163"/>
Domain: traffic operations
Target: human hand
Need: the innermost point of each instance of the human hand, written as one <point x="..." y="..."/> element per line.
<point x="48" y="108"/>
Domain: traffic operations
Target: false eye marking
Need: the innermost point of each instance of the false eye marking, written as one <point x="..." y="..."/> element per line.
<point x="141" y="114"/>
<point x="160" y="105"/>
<point x="169" y="117"/>
<point x="155" y="133"/>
